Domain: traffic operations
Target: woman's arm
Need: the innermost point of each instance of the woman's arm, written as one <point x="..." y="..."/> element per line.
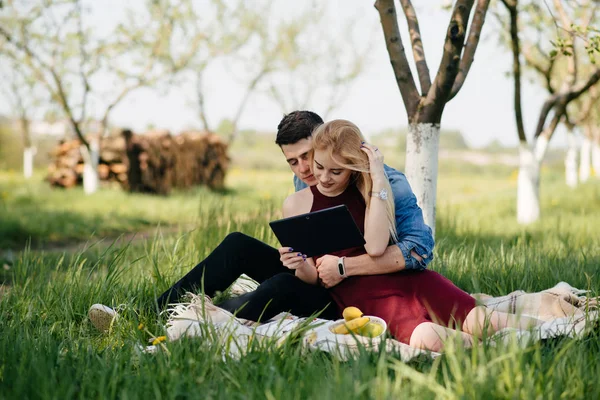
<point x="377" y="233"/>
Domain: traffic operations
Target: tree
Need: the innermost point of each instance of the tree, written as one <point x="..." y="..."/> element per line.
<point x="562" y="89"/>
<point x="310" y="70"/>
<point x="425" y="108"/>
<point x="285" y="59"/>
<point x="52" y="42"/>
<point x="589" y="119"/>
<point x="581" y="115"/>
<point x="24" y="98"/>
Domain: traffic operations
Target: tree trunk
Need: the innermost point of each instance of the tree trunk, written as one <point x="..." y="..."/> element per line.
<point x="28" y="154"/>
<point x="91" y="158"/>
<point x="528" y="186"/>
<point x="596" y="157"/>
<point x="585" y="159"/>
<point x="422" y="143"/>
<point x="571" y="160"/>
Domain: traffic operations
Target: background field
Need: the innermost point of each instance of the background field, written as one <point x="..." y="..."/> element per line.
<point x="63" y="251"/>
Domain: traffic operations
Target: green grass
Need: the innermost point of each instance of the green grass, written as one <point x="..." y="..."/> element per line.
<point x="48" y="349"/>
<point x="53" y="217"/>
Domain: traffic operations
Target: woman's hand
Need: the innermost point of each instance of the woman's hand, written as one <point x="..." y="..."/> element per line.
<point x="375" y="162"/>
<point x="303" y="266"/>
<point x="291" y="259"/>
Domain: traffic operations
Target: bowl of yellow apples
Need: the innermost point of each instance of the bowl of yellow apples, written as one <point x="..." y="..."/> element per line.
<point x="355" y="323"/>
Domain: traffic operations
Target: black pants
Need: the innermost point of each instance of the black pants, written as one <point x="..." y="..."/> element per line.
<point x="279" y="289"/>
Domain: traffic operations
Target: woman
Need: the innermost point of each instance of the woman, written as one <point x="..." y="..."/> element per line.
<point x="421" y="308"/>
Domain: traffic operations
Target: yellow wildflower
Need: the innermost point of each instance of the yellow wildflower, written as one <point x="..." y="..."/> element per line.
<point x="158" y="340"/>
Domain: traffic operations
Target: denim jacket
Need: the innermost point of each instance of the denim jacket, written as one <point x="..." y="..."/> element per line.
<point x="413" y="233"/>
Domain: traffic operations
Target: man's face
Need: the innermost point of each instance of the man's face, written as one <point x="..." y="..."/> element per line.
<point x="296" y="155"/>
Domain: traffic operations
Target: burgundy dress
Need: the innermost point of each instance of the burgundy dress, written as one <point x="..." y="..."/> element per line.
<point x="403" y="299"/>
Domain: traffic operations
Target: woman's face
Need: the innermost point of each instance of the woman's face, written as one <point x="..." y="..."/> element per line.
<point x="332" y="178"/>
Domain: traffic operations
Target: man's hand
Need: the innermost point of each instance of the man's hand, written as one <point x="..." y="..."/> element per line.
<point x="327" y="268"/>
<point x="291" y="259"/>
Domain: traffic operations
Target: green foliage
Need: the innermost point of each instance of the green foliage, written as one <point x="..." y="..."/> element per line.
<point x="44" y="296"/>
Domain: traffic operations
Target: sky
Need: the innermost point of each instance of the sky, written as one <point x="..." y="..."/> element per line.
<point x="482" y="110"/>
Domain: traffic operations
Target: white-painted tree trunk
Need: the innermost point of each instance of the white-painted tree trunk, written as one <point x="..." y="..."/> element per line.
<point x="90" y="167"/>
<point x="596" y="159"/>
<point x="528" y="183"/>
<point x="585" y="160"/>
<point x="571" y="160"/>
<point x="540" y="149"/>
<point x="28" y="155"/>
<point x="528" y="200"/>
<point x="422" y="144"/>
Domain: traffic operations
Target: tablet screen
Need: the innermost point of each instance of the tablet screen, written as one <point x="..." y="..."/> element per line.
<point x="320" y="232"/>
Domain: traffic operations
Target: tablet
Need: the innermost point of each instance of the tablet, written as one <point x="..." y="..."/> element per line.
<point x="320" y="232"/>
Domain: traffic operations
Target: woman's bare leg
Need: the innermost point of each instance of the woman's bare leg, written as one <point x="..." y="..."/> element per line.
<point x="482" y="320"/>
<point x="430" y="336"/>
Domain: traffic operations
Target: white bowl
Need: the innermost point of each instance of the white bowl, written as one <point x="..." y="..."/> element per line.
<point x="372" y="318"/>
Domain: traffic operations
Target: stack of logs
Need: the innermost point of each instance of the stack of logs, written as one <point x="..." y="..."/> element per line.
<point x="155" y="162"/>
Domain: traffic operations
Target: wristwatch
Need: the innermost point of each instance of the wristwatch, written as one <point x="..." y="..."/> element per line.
<point x="382" y="194"/>
<point x="342" y="267"/>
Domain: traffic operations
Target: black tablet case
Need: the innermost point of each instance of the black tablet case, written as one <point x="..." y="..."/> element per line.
<point x="320" y="232"/>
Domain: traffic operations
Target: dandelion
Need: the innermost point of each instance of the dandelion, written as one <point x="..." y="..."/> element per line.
<point x="158" y="340"/>
<point x="140" y="326"/>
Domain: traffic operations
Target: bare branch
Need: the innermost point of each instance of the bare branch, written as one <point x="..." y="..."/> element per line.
<point x="546" y="108"/>
<point x="417" y="46"/>
<point x="559" y="113"/>
<point x="58" y="91"/>
<point x="393" y="41"/>
<point x="244" y="102"/>
<point x="471" y="46"/>
<point x="560" y="102"/>
<point x="516" y="50"/>
<point x="82" y="60"/>
<point x="545" y="72"/>
<point x="564" y="18"/>
<point x="200" y="95"/>
<point x="448" y="70"/>
<point x="588" y="105"/>
<point x="585" y="86"/>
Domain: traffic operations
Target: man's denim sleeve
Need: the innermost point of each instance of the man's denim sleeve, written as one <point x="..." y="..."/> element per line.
<point x="298" y="184"/>
<point x="413" y="233"/>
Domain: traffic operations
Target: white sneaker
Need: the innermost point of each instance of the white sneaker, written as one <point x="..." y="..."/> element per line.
<point x="102" y="317"/>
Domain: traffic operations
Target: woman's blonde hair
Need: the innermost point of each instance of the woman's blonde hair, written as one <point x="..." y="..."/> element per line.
<point x="343" y="141"/>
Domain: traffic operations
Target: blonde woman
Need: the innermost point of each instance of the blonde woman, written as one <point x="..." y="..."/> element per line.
<point x="421" y="308"/>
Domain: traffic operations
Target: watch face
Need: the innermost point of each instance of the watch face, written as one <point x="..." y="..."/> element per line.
<point x="383" y="195"/>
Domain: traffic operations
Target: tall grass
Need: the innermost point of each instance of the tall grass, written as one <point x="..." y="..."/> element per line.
<point x="48" y="349"/>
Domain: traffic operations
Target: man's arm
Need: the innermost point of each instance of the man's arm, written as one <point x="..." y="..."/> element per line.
<point x="414" y="249"/>
<point x="415" y="239"/>
<point x="390" y="261"/>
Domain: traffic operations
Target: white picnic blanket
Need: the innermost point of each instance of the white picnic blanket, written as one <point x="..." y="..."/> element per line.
<point x="200" y="317"/>
<point x="563" y="308"/>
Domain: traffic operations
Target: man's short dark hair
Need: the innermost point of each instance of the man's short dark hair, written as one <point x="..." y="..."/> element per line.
<point x="296" y="126"/>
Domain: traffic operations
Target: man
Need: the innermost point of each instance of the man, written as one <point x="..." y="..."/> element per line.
<point x="279" y="289"/>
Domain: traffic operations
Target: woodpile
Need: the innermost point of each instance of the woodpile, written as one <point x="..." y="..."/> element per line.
<point x="66" y="170"/>
<point x="155" y="162"/>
